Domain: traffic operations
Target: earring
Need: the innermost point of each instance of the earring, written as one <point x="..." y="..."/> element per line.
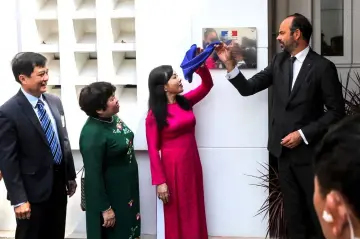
<point x="327" y="217"/>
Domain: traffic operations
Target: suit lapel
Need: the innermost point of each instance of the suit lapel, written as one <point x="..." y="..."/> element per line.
<point x="303" y="73"/>
<point x="285" y="68"/>
<point x="57" y="117"/>
<point x="31" y="115"/>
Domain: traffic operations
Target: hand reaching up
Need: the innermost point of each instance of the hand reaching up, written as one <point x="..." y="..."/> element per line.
<point x="198" y="51"/>
<point x="223" y="51"/>
<point x="225" y="55"/>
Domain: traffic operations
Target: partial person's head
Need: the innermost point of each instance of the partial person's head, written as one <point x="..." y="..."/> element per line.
<point x="210" y="35"/>
<point x="98" y="100"/>
<point x="294" y="33"/>
<point x="237" y="51"/>
<point x="337" y="180"/>
<point x="29" y="69"/>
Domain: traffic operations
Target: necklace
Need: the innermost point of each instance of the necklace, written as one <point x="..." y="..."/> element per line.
<point x="109" y="122"/>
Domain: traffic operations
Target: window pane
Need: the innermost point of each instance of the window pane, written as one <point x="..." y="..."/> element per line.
<point x="332" y="27"/>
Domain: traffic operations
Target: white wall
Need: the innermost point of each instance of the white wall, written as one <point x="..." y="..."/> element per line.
<point x="231" y="129"/>
<point x="8" y="48"/>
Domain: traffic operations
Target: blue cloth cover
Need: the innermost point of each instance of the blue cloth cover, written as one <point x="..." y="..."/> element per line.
<point x="192" y="62"/>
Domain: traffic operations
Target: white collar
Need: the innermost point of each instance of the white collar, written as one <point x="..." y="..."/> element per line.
<point x="302" y="54"/>
<point x="33" y="100"/>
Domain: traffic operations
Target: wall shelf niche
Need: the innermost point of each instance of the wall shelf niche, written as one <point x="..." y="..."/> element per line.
<point x="54" y="89"/>
<point x="86" y="65"/>
<point x="75" y="126"/>
<point x="127" y="96"/>
<point x="123" y="8"/>
<point x="123" y="30"/>
<point x="48" y="36"/>
<point x="47" y="9"/>
<point x="78" y="89"/>
<point x="85" y="35"/>
<point x="53" y="63"/>
<point x="84" y="9"/>
<point x="124" y="64"/>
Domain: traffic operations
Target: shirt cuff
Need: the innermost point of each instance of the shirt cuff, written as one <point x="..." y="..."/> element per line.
<point x="232" y="74"/>
<point x="303" y="136"/>
<point x="107" y="209"/>
<point x="17" y="205"/>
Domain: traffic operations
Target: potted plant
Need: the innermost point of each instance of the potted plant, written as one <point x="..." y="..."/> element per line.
<point x="273" y="205"/>
<point x="351" y="89"/>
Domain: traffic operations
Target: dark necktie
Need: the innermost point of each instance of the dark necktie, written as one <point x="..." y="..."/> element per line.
<point x="291" y="70"/>
<point x="49" y="132"/>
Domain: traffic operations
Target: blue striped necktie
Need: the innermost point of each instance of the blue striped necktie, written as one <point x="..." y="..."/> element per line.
<point x="49" y="132"/>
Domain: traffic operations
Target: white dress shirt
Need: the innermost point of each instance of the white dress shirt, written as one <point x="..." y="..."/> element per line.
<point x="300" y="58"/>
<point x="33" y="101"/>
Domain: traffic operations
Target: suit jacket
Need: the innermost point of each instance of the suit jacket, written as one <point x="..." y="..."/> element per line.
<point x="26" y="160"/>
<point x="317" y="85"/>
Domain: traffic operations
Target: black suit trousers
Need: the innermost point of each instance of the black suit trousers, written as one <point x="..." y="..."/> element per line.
<point x="297" y="186"/>
<point x="48" y="218"/>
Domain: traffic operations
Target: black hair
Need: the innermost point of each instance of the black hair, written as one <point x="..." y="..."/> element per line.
<point x="24" y="63"/>
<point x="303" y="24"/>
<point x="337" y="161"/>
<point x="94" y="97"/>
<point x="158" y="101"/>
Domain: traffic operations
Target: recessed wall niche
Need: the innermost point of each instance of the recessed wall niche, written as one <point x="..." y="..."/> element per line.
<point x="123" y="34"/>
<point x="48" y="35"/>
<point x="46" y="9"/>
<point x="55" y="90"/>
<point x="87" y="67"/>
<point x="83" y="9"/>
<point x="124" y="67"/>
<point x="123" y="8"/>
<point x="85" y="34"/>
<point x="127" y="97"/>
<point x="53" y="63"/>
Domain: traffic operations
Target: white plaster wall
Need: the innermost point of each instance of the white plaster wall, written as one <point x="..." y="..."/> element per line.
<point x="8" y="48"/>
<point x="231" y="129"/>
